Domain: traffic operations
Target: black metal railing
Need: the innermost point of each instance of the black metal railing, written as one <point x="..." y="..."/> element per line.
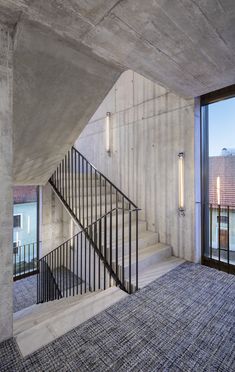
<point x="90" y="197"/>
<point x="221" y="236"/>
<point x="25" y="260"/>
<point x="87" y="262"/>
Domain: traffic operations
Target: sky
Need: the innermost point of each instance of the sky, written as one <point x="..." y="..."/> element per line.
<point x="221" y="126"/>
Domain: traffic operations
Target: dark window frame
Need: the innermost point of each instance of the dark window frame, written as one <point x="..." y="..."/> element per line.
<point x="205" y="100"/>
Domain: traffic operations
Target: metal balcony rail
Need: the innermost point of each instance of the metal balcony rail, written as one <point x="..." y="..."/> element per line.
<point x="89" y="261"/>
<point x="221" y="234"/>
<point x="89" y="195"/>
<point x="25" y="260"/>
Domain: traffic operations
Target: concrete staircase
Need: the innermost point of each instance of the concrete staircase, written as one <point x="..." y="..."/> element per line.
<point x="89" y="196"/>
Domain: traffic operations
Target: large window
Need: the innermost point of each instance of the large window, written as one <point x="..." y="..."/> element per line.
<point x="218" y="163"/>
<point x="25" y="230"/>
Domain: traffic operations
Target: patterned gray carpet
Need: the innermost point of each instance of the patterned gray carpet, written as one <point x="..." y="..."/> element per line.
<point x="25" y="293"/>
<point x="184" y="321"/>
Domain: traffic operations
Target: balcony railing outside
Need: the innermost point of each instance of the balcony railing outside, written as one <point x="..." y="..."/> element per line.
<point x="25" y="260"/>
<point x="221" y="234"/>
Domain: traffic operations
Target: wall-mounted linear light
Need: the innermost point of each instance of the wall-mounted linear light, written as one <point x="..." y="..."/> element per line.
<point x="181" y="181"/>
<point x="108" y="115"/>
<point x="218" y="190"/>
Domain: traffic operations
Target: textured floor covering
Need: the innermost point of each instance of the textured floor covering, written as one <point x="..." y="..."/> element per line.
<point x="183" y="321"/>
<point x="25" y="293"/>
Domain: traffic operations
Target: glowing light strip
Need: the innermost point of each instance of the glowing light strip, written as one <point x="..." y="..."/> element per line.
<point x="108" y="131"/>
<point x="181" y="181"/>
<point x="218" y="190"/>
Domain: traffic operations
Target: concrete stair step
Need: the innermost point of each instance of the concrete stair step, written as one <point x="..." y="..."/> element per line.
<point x="146" y="239"/>
<point x="53" y="325"/>
<point x="92" y="199"/>
<point x="148" y="256"/>
<point x="155" y="271"/>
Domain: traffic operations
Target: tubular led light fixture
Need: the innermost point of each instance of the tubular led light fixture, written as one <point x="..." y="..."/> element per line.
<point x="218" y="190"/>
<point x="181" y="181"/>
<point x="108" y="114"/>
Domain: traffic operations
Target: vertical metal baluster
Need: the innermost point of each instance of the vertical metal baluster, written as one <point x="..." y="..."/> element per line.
<point x="219" y="235"/>
<point x="79" y="189"/>
<point x="16" y="254"/>
<point x="52" y="271"/>
<point x="70" y="266"/>
<point x="63" y="270"/>
<point x="65" y="179"/>
<point x="74" y="250"/>
<point x="67" y="261"/>
<point x="137" y="249"/>
<point x="87" y="210"/>
<point x="89" y="257"/>
<point x="105" y="240"/>
<point x="100" y="196"/>
<point x="60" y="180"/>
<point x="96" y="196"/>
<point x="210" y="230"/>
<point x="72" y="190"/>
<point x="85" y="261"/>
<point x="77" y="250"/>
<point x="76" y="179"/>
<point x="130" y="287"/>
<point x="69" y="186"/>
<point x="100" y="242"/>
<point x="47" y="272"/>
<point x="116" y="235"/>
<point x="110" y="236"/>
<point x="29" y="261"/>
<point x="81" y="265"/>
<point x="94" y="256"/>
<point x="83" y="191"/>
<point x="123" y="221"/>
<point x="228" y="232"/>
<point x="91" y="195"/>
<point x="24" y="257"/>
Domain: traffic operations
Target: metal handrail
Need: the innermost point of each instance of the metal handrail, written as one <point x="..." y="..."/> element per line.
<point x="110" y="182"/>
<point x="94" y="202"/>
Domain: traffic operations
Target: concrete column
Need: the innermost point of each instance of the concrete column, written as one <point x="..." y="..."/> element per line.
<point x="6" y="202"/>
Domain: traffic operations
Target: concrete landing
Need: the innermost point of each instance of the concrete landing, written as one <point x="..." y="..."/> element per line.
<point x="38" y="325"/>
<point x="156" y="270"/>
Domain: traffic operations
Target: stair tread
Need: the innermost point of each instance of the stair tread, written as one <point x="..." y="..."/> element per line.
<point x="145" y="252"/>
<point x="154" y="271"/>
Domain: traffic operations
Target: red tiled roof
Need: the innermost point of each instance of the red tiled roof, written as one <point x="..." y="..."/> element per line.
<point x="24" y="194"/>
<point x="223" y="167"/>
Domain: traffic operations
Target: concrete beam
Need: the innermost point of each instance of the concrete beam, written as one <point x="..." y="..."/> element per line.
<point x="6" y="203"/>
<point x="57" y="88"/>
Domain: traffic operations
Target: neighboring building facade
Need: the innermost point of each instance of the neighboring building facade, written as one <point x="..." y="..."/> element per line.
<point x="25" y="215"/>
<point x="222" y="192"/>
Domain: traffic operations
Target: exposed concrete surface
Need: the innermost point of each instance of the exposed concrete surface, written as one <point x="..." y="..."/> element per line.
<point x="6" y="201"/>
<point x="149" y="127"/>
<point x="188" y="46"/>
<point x="56" y="224"/>
<point x="60" y="75"/>
<point x="57" y="88"/>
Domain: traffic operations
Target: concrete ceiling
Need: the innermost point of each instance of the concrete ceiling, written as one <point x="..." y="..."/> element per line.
<point x="187" y="46"/>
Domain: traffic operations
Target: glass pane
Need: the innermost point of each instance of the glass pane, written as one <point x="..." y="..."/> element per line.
<point x="25" y="229"/>
<point x="221" y="128"/>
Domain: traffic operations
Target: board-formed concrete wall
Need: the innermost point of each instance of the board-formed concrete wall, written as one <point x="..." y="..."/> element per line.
<point x="149" y="127"/>
<point x="56" y="224"/>
<point x="6" y="199"/>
